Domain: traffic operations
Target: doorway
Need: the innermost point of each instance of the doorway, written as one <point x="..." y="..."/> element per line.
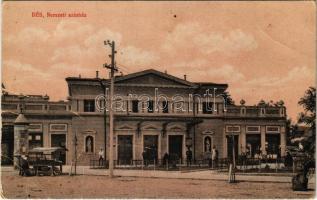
<point x="150" y="146"/>
<point x="175" y="145"/>
<point x="59" y="140"/>
<point x="125" y="149"/>
<point x="230" y="141"/>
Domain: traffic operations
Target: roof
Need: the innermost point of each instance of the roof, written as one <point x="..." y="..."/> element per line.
<point x="211" y="84"/>
<point x="156" y="72"/>
<point x="146" y="72"/>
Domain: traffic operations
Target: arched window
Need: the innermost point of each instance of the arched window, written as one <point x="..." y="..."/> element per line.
<point x="207" y="144"/>
<point x="89" y="147"/>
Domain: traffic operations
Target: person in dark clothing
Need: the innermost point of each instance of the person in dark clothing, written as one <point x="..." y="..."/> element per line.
<point x="145" y="157"/>
<point x="189" y="156"/>
<point x="25" y="168"/>
<point x="165" y="159"/>
<point x="288" y="160"/>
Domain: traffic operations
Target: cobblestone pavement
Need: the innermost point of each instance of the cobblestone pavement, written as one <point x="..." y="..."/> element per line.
<point x="137" y="184"/>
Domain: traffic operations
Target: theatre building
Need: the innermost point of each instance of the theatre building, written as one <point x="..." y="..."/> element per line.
<point x="153" y="110"/>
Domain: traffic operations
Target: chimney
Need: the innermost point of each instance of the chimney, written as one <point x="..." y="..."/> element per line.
<point x="165" y="71"/>
<point x="97" y="74"/>
<point x="79" y="76"/>
<point x="185" y="77"/>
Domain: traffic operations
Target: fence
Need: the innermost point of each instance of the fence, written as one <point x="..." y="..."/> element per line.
<point x="161" y="164"/>
<point x="242" y="164"/>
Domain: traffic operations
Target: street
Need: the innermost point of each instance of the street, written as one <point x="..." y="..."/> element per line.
<point x="101" y="186"/>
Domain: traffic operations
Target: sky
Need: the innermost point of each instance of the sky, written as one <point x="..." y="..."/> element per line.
<point x="263" y="50"/>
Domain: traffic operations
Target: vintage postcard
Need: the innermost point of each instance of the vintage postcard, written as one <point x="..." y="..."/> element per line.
<point x="158" y="99"/>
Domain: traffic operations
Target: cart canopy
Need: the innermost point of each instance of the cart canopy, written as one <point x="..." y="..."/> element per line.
<point x="46" y="150"/>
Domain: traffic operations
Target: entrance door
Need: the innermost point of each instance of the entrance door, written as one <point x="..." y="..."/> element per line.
<point x="125" y="151"/>
<point x="150" y="146"/>
<point x="230" y="141"/>
<point x="175" y="145"/>
<point x="7" y="145"/>
<point x="59" y="140"/>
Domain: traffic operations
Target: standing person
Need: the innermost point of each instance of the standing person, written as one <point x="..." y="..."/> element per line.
<point x="25" y="168"/>
<point x="216" y="159"/>
<point x="213" y="156"/>
<point x="101" y="156"/>
<point x="165" y="159"/>
<point x="189" y="156"/>
<point x="144" y="155"/>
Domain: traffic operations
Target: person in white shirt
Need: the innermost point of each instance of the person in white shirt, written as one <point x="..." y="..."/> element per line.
<point x="214" y="156"/>
<point x="101" y="156"/>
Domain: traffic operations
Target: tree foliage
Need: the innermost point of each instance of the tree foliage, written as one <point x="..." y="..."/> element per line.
<point x="229" y="101"/>
<point x="308" y="117"/>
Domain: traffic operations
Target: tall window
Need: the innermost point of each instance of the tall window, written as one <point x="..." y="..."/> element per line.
<point x="150" y="107"/>
<point x="89" y="105"/>
<point x="165" y="106"/>
<point x="207" y="107"/>
<point x="135" y="106"/>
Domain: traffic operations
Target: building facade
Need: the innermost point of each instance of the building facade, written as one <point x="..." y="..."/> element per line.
<point x="153" y="110"/>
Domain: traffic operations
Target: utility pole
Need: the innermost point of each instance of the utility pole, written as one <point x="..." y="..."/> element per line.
<point x="112" y="68"/>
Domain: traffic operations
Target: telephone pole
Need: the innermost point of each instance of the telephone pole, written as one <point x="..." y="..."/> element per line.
<point x="112" y="68"/>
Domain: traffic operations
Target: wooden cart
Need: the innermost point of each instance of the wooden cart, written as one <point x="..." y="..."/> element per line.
<point x="46" y="161"/>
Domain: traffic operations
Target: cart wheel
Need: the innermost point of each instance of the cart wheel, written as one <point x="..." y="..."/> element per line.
<point x="56" y="171"/>
<point x="52" y="172"/>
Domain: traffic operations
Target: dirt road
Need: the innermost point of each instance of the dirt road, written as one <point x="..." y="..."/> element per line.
<point x="87" y="186"/>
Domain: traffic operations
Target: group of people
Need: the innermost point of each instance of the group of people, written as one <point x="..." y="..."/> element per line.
<point x="149" y="154"/>
<point x="24" y="167"/>
<point x="210" y="156"/>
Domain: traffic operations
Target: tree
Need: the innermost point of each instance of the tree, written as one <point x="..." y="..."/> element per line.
<point x="308" y="102"/>
<point x="291" y="130"/>
<point x="308" y="117"/>
<point x="228" y="99"/>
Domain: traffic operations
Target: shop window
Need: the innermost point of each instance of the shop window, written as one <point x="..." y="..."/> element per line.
<point x="253" y="142"/>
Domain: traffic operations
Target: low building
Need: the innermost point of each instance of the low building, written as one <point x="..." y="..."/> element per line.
<point x="153" y="110"/>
